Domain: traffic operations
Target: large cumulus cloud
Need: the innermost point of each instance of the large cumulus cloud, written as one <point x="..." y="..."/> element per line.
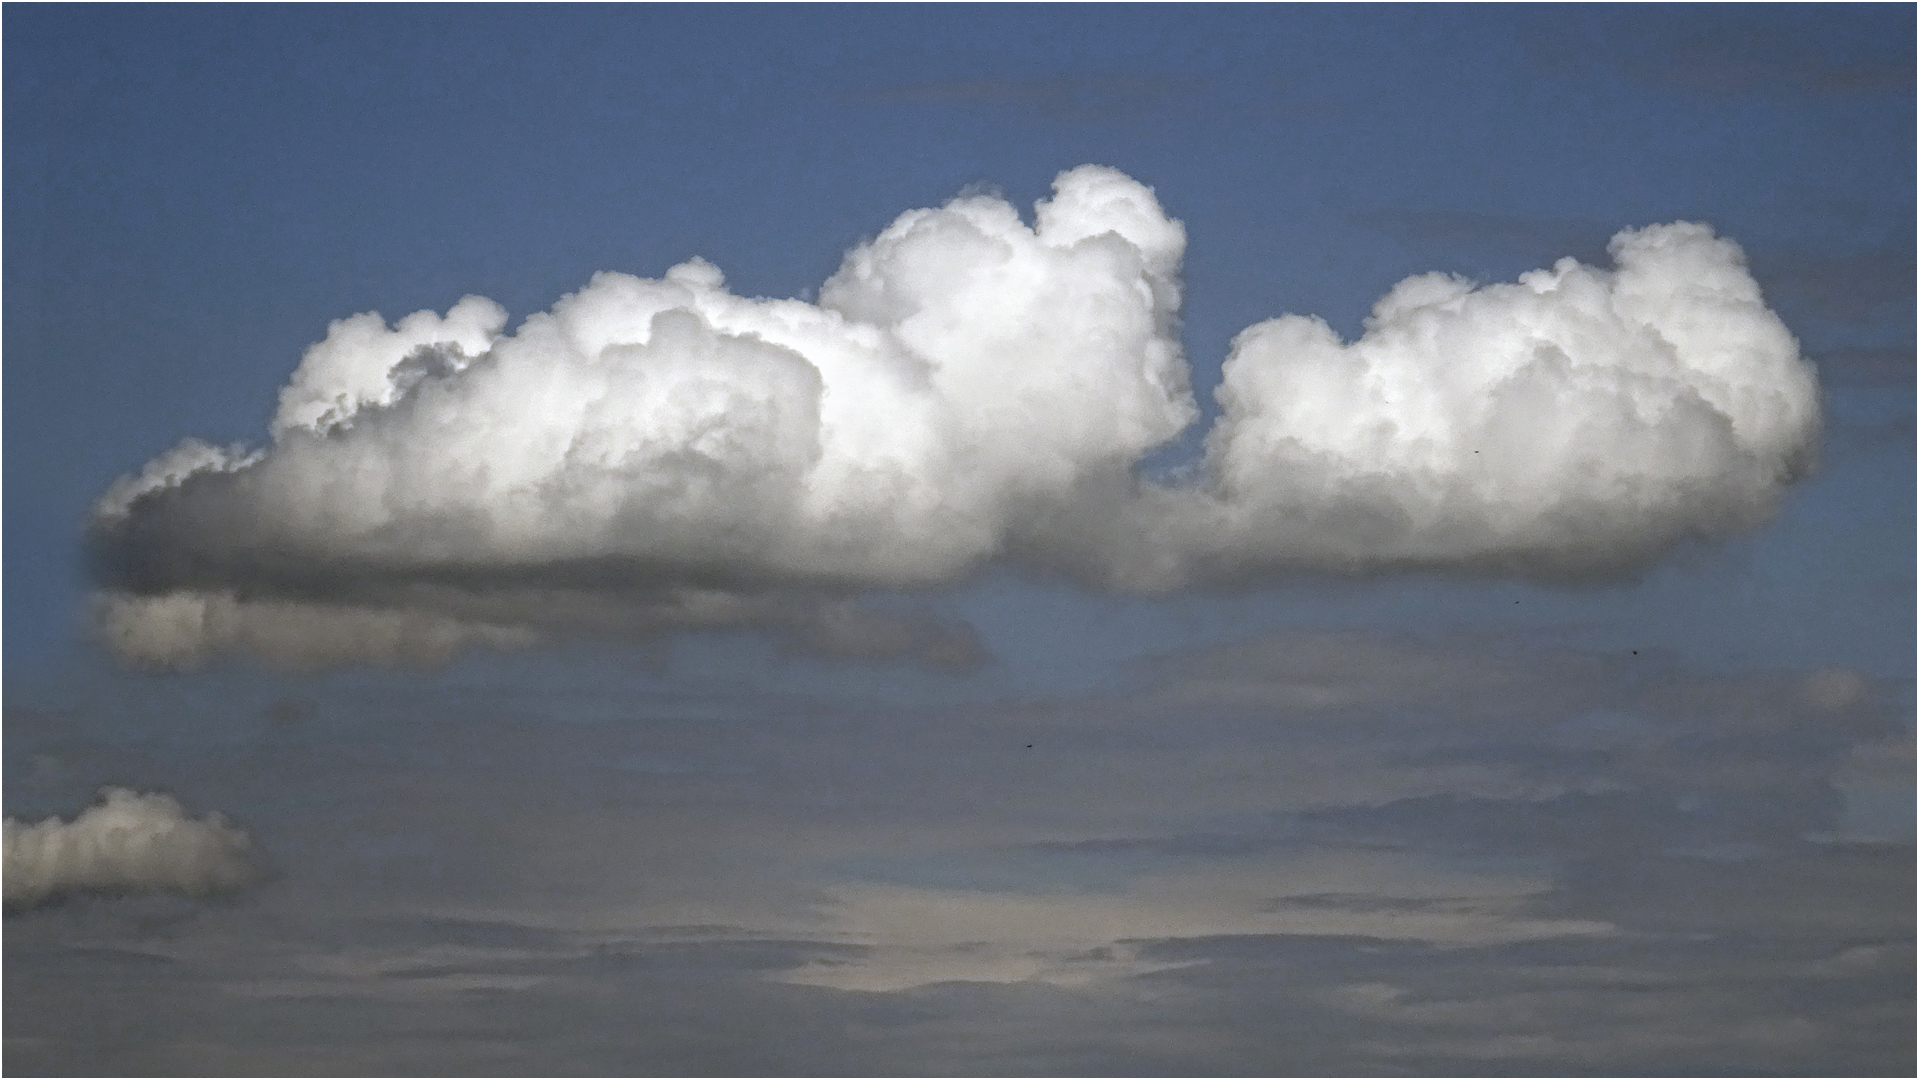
<point x="654" y="455"/>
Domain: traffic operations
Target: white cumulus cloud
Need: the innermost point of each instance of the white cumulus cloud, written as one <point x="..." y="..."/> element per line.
<point x="127" y="842"/>
<point x="661" y="454"/>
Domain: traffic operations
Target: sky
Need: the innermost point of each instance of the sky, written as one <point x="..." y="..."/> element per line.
<point x="1027" y="540"/>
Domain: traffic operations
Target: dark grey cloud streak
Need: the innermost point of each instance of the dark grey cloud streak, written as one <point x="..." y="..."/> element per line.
<point x="1064" y="98"/>
<point x="662" y="455"/>
<point x="1738" y="56"/>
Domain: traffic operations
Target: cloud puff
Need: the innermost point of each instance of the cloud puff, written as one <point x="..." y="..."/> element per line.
<point x="653" y="455"/>
<point x="127" y="842"/>
<point x="1577" y="423"/>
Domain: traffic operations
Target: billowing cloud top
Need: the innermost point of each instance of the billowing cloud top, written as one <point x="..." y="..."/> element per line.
<point x="127" y="842"/>
<point x="662" y="454"/>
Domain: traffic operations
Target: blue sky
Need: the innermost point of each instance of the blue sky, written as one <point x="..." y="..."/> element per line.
<point x="1443" y="814"/>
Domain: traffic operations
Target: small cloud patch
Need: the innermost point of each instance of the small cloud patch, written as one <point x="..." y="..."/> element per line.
<point x="126" y="842"/>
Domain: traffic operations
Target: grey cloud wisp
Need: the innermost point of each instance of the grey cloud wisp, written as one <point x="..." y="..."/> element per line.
<point x="656" y="455"/>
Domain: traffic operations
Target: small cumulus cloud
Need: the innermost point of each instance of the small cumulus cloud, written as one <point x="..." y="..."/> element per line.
<point x="653" y="456"/>
<point x="127" y="842"/>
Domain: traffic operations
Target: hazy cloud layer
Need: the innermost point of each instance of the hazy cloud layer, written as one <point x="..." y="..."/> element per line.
<point x="128" y="842"/>
<point x="654" y="455"/>
<point x="1306" y="853"/>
